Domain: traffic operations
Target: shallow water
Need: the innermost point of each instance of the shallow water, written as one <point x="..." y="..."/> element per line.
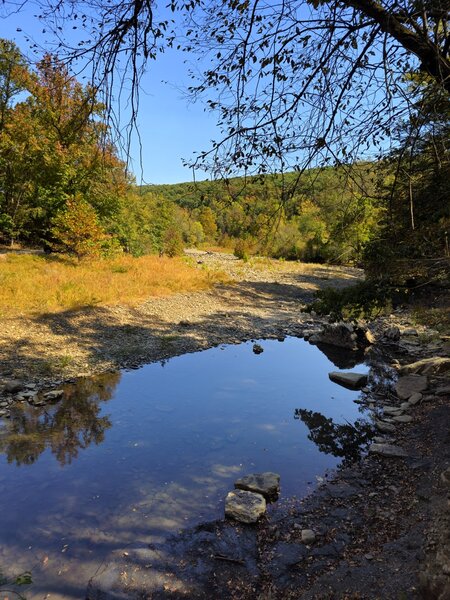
<point x="136" y="455"/>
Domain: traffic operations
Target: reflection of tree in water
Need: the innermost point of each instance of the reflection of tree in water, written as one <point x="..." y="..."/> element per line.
<point x="331" y="438"/>
<point x="66" y="427"/>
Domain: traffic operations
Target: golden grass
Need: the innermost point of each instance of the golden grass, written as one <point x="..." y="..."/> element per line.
<point x="31" y="284"/>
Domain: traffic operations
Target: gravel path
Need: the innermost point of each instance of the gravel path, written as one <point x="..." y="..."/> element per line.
<point x="264" y="299"/>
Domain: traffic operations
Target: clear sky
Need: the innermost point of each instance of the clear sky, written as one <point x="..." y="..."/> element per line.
<point x="170" y="128"/>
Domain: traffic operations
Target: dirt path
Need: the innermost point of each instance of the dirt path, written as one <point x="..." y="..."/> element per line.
<point x="263" y="299"/>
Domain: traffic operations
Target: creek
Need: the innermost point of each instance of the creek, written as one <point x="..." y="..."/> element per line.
<point x="137" y="455"/>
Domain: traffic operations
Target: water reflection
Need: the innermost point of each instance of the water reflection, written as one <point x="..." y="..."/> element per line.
<point x="342" y="358"/>
<point x="341" y="440"/>
<point x="65" y="428"/>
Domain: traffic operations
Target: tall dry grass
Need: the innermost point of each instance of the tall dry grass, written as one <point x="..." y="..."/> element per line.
<point x="31" y="284"/>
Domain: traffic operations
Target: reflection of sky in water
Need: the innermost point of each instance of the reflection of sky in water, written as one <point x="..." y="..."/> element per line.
<point x="157" y="453"/>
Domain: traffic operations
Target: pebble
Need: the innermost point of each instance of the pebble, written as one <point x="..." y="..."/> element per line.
<point x="308" y="536"/>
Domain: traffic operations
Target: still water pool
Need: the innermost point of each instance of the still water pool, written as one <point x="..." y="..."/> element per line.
<point x="134" y="456"/>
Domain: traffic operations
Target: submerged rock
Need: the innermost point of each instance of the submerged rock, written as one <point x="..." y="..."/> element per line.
<point x="388" y="450"/>
<point x="410" y="384"/>
<point x="257" y="349"/>
<point x="267" y="484"/>
<point x="354" y="381"/>
<point x="245" y="507"/>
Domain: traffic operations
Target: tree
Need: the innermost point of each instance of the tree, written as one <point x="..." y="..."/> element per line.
<point x="293" y="81"/>
<point x="53" y="147"/>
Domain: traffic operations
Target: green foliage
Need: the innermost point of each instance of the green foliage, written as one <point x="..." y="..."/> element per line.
<point x="325" y="214"/>
<point x="76" y="230"/>
<point x="412" y="244"/>
<point x="242" y="250"/>
<point x="364" y="300"/>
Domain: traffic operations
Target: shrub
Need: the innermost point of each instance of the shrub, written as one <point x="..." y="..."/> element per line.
<point x="367" y="300"/>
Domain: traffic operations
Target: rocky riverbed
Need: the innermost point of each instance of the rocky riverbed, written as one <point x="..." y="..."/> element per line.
<point x="378" y="528"/>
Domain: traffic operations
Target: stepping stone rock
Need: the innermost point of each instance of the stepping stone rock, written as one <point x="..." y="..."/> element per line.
<point x="388" y="450"/>
<point x="410" y="384"/>
<point x="437" y="365"/>
<point x="354" y="381"/>
<point x="267" y="484"/>
<point x="405" y="406"/>
<point x="245" y="507"/>
<point x="257" y="349"/>
<point x="308" y="536"/>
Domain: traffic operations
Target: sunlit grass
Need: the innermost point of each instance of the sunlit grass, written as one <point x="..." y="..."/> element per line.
<point x="31" y="284"/>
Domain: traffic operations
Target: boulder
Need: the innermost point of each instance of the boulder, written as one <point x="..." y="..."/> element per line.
<point x="436" y="365"/>
<point x="245" y="507"/>
<point x="267" y="484"/>
<point x="354" y="381"/>
<point x="13" y="385"/>
<point x="392" y="334"/>
<point x="337" y="334"/>
<point x="410" y="384"/>
<point x="388" y="450"/>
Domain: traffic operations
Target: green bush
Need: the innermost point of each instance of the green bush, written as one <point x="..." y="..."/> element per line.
<point x="364" y="300"/>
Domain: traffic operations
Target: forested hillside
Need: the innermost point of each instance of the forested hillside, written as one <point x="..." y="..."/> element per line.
<point x="321" y="215"/>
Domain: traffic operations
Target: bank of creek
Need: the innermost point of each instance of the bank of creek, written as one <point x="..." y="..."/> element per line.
<point x="114" y="473"/>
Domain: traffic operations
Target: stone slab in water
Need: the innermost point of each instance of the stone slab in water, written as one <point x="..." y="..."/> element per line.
<point x="267" y="484"/>
<point x="243" y="506"/>
<point x="354" y="381"/>
<point x="388" y="450"/>
<point x="410" y="384"/>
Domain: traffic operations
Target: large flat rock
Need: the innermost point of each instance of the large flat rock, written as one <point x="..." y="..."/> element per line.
<point x="245" y="507"/>
<point x="410" y="384"/>
<point x="267" y="484"/>
<point x="353" y="381"/>
<point x="436" y="365"/>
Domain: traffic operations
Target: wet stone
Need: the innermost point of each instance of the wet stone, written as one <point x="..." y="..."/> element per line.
<point x="354" y="381"/>
<point x="267" y="484"/>
<point x="243" y="506"/>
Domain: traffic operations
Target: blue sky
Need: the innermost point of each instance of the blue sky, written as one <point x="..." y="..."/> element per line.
<point x="170" y="128"/>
